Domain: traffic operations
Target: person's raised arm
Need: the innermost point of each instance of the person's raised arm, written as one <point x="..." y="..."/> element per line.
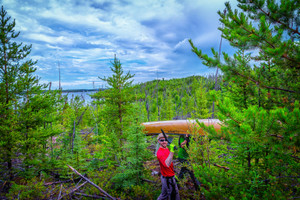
<point x="182" y="144"/>
<point x="170" y="157"/>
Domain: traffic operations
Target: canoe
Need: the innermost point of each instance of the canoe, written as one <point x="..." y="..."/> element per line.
<point x="178" y="127"/>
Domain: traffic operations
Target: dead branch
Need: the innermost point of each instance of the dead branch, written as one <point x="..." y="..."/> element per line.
<point x="78" y="182"/>
<point x="3" y="186"/>
<point x="278" y="136"/>
<point x="80" y="117"/>
<point x="72" y="191"/>
<point x="58" y="182"/>
<point x="149" y="181"/>
<point x="223" y="167"/>
<point x="92" y="196"/>
<point x="99" y="188"/>
<point x="88" y="132"/>
<point x="59" y="191"/>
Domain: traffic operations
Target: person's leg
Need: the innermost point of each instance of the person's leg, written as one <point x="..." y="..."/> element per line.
<point x="175" y="191"/>
<point x="195" y="181"/>
<point x="183" y="169"/>
<point x="192" y="175"/>
<point x="165" y="189"/>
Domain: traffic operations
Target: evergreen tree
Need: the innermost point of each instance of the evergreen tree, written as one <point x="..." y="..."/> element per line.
<point x="201" y="110"/>
<point x="36" y="113"/>
<point x="117" y="102"/>
<point x="167" y="111"/>
<point x="24" y="109"/>
<point x="260" y="109"/>
<point x="131" y="171"/>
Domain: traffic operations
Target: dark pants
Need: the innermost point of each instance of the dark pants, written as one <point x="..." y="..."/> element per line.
<point x="184" y="170"/>
<point x="169" y="189"/>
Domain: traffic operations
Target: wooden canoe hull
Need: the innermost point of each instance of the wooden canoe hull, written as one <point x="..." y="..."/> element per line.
<point x="178" y="127"/>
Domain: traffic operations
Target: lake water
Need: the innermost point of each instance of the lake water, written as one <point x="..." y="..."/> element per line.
<point x="83" y="95"/>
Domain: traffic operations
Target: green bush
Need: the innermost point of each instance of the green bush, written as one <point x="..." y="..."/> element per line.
<point x="28" y="189"/>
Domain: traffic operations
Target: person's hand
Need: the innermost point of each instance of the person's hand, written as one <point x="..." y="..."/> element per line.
<point x="172" y="147"/>
<point x="187" y="137"/>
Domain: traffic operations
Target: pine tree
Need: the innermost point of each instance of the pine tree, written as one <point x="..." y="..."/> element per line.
<point x="11" y="86"/>
<point x="131" y="171"/>
<point x="259" y="107"/>
<point x="201" y="110"/>
<point x="24" y="109"/>
<point x="37" y="110"/>
<point x="117" y="101"/>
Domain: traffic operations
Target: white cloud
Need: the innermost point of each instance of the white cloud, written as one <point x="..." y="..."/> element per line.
<point x="208" y="38"/>
<point x="182" y="44"/>
<point x="50" y="39"/>
<point x="147" y="36"/>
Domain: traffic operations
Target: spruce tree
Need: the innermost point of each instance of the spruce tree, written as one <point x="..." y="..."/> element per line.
<point x="117" y="101"/>
<point x="11" y="86"/>
<point x="201" y="110"/>
<point x="24" y="109"/>
<point x="132" y="172"/>
<point x="259" y="107"/>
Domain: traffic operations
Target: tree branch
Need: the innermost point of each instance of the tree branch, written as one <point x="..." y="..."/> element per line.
<point x="80" y="117"/>
<point x="72" y="191"/>
<point x="100" y="189"/>
<point x="264" y="86"/>
<point x="89" y="132"/>
<point x="268" y="14"/>
<point x="269" y="43"/>
<point x="92" y="196"/>
<point x="57" y="182"/>
<point x="223" y="167"/>
<point x="278" y="136"/>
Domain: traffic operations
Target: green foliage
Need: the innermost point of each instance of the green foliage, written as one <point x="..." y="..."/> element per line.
<point x="142" y="191"/>
<point x="28" y="189"/>
<point x="116" y="104"/>
<point x="258" y="105"/>
<point x="72" y="145"/>
<point x="176" y="98"/>
<point x="131" y="171"/>
<point x="36" y="112"/>
<point x="25" y="109"/>
<point x="200" y="111"/>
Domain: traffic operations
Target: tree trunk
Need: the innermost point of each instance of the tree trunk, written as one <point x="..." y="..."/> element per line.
<point x="74" y="130"/>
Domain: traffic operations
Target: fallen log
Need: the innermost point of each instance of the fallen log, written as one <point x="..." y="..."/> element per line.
<point x="99" y="188"/>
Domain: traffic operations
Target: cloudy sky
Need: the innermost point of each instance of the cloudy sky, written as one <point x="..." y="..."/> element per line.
<point x="150" y="37"/>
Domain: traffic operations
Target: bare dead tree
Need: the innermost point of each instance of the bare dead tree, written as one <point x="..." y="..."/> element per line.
<point x="93" y="184"/>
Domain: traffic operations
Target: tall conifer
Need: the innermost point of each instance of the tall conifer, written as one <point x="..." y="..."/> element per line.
<point x="11" y="85"/>
<point x="117" y="102"/>
<point x="260" y="112"/>
<point x="24" y="109"/>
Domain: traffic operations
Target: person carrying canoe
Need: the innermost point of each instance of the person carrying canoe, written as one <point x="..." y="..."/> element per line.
<point x="165" y="157"/>
<point x="183" y="143"/>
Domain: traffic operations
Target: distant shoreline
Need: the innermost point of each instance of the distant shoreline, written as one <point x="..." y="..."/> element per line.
<point x="79" y="90"/>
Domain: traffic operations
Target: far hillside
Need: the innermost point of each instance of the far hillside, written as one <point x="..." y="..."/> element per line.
<point x="179" y="98"/>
